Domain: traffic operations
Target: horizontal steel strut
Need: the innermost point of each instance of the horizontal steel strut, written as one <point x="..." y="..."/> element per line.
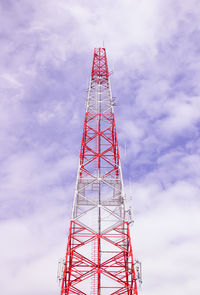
<point x="99" y="257"/>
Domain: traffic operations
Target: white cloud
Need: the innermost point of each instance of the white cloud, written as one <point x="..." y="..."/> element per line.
<point x="29" y="249"/>
<point x="181" y="114"/>
<point x="28" y="174"/>
<point x="166" y="237"/>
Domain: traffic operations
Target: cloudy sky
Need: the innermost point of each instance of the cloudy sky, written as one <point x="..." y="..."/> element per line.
<point x="46" y="49"/>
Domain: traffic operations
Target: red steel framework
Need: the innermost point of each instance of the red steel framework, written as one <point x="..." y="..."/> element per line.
<point x="99" y="257"/>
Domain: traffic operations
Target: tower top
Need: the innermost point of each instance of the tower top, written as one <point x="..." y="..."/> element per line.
<point x="100" y="73"/>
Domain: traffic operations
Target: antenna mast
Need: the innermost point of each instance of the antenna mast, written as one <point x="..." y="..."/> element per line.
<point x="99" y="257"/>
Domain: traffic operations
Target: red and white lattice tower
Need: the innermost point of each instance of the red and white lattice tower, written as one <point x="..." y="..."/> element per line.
<point x="99" y="258"/>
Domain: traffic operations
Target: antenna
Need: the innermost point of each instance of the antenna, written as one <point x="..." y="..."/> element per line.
<point x="99" y="256"/>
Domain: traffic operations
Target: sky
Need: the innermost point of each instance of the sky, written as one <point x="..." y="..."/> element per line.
<point x="46" y="50"/>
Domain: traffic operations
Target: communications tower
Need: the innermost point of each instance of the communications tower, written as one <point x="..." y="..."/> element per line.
<point x="99" y="257"/>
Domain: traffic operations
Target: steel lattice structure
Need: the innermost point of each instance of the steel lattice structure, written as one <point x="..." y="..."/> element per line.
<point x="99" y="257"/>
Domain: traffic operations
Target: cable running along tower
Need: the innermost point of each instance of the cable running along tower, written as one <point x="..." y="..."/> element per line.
<point x="99" y="257"/>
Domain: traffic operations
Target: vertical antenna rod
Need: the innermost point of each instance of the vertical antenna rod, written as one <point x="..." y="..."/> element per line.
<point x="99" y="257"/>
